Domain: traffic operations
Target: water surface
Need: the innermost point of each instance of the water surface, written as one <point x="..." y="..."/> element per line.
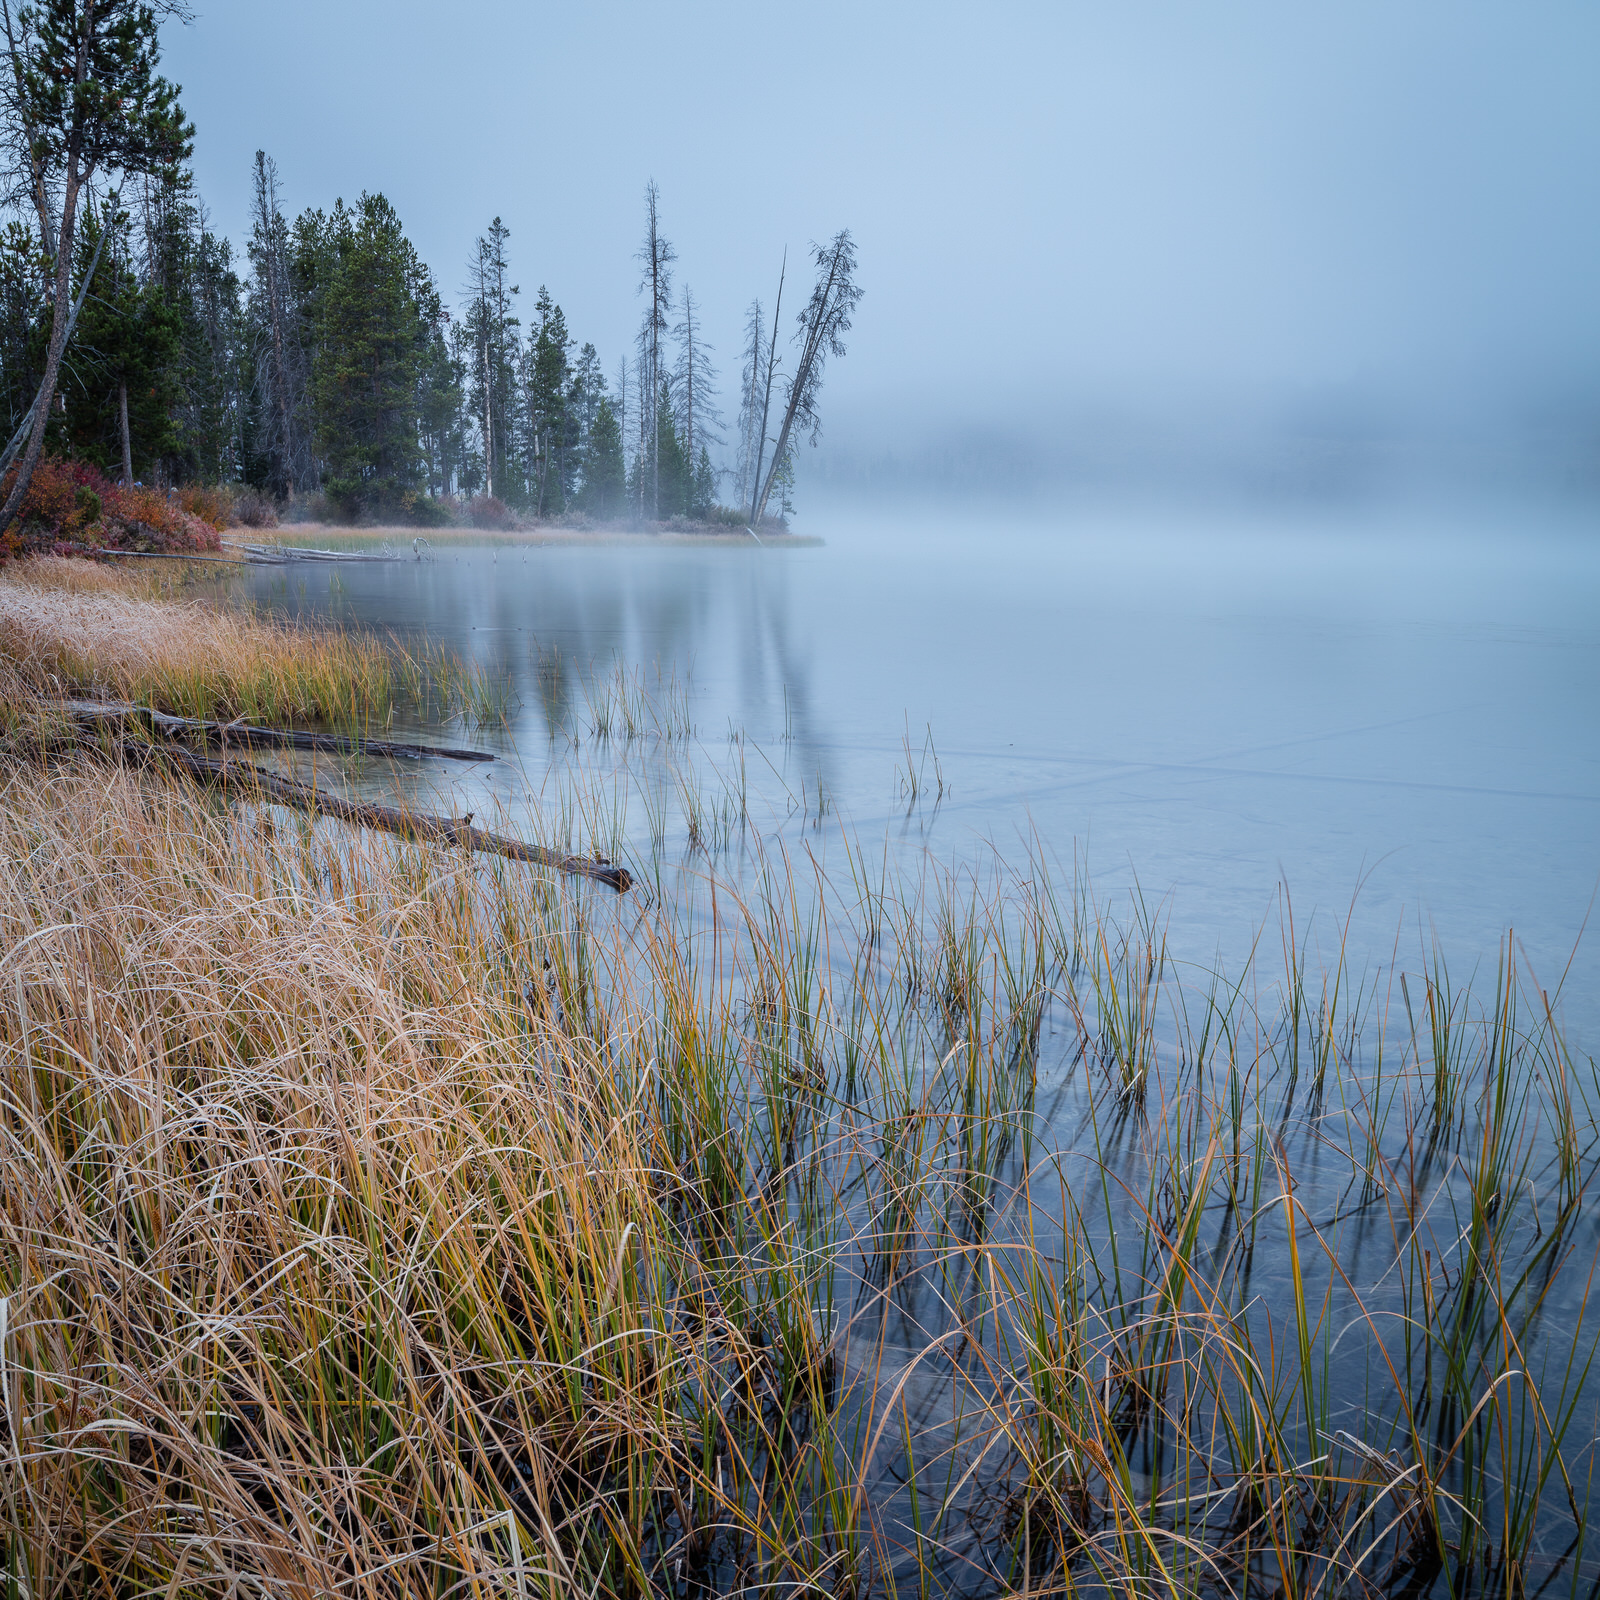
<point x="1213" y="705"/>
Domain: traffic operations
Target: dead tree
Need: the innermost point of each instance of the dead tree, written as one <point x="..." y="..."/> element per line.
<point x="656" y="256"/>
<point x="282" y="366"/>
<point x="823" y="323"/>
<point x="757" y="499"/>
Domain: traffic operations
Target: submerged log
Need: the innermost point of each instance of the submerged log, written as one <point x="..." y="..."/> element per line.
<point x="249" y="736"/>
<point x="244" y="777"/>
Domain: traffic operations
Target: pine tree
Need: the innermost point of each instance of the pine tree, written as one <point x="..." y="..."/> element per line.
<point x="546" y="421"/>
<point x="283" y="264"/>
<point x="83" y="100"/>
<point x="823" y="323"/>
<point x="372" y="337"/>
<point x="492" y="369"/>
<point x="122" y="370"/>
<point x="752" y="393"/>
<point x="656" y="256"/>
<point x="193" y="268"/>
<point x="441" y="387"/>
<point x="673" y="474"/>
<point x="24" y="310"/>
<point x="586" y="388"/>
<point x="703" y="492"/>
<point x="605" y="476"/>
<point x="694" y="382"/>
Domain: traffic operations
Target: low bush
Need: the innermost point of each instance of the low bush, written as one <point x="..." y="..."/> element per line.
<point x="487" y="511"/>
<point x="72" y="505"/>
<point x="252" y="508"/>
<point x="213" y="506"/>
<point x="419" y="510"/>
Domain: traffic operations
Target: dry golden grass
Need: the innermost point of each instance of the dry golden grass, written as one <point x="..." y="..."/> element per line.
<point x="74" y="628"/>
<point x="318" y="1247"/>
<point x="376" y="1223"/>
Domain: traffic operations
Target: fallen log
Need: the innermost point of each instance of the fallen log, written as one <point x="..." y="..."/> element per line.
<point x="97" y="551"/>
<point x="246" y="778"/>
<point x="305" y="552"/>
<point x="249" y="736"/>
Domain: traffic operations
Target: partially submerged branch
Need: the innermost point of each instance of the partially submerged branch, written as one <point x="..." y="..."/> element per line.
<point x="250" y="737"/>
<point x="243" y="777"/>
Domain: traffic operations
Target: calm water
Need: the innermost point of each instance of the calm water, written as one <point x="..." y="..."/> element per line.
<point x="1206" y="708"/>
<point x="1210" y="705"/>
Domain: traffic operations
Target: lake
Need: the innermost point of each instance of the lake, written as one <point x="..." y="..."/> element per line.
<point x="967" y="1132"/>
<point x="1211" y="704"/>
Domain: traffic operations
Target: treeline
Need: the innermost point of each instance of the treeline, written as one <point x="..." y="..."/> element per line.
<point x="323" y="360"/>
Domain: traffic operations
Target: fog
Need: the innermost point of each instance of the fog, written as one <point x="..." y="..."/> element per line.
<point x="1337" y="246"/>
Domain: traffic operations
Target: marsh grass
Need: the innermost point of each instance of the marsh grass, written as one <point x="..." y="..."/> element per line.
<point x="169" y="640"/>
<point x="71" y="628"/>
<point x="381" y="1223"/>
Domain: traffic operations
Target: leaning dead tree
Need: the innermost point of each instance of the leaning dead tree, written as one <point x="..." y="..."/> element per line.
<point x="82" y="101"/>
<point x="823" y="324"/>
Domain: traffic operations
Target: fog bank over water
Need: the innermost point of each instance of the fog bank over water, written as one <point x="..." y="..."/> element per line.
<point x="1308" y="449"/>
<point x="1243" y="243"/>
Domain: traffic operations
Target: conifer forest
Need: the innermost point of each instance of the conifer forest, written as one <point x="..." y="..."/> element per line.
<point x="325" y="370"/>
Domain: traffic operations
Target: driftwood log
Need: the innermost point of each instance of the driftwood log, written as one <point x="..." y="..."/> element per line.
<point x="100" y="713"/>
<point x="278" y="554"/>
<point x="246" y="778"/>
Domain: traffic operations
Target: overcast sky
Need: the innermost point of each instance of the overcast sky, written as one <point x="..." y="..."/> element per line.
<point x="1365" y="204"/>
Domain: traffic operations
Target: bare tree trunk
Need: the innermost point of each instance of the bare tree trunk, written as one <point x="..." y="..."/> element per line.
<point x="122" y="419"/>
<point x="60" y="325"/>
<point x="757" y="499"/>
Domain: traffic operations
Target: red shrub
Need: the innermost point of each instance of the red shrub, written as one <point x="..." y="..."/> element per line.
<point x="70" y="503"/>
<point x="210" y="505"/>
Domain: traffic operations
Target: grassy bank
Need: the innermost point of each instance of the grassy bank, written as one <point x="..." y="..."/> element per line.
<point x="379" y="1224"/>
<point x="169" y="640"/>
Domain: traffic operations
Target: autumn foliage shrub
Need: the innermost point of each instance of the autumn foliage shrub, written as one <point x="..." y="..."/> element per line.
<point x="71" y="505"/>
<point x="211" y="506"/>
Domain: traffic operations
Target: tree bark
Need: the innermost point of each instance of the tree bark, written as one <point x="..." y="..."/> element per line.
<point x="60" y="322"/>
<point x="122" y="419"/>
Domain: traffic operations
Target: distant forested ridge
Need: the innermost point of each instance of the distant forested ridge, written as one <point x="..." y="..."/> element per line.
<point x="325" y="363"/>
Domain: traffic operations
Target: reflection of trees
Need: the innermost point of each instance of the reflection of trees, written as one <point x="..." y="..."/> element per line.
<point x="553" y="618"/>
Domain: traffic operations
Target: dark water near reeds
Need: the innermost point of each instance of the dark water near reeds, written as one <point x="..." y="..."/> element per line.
<point x="1214" y="705"/>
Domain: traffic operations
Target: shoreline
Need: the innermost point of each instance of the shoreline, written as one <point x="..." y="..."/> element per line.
<point x="423" y="1131"/>
<point x="305" y="533"/>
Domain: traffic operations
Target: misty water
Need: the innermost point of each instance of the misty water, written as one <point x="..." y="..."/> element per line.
<point x="1390" y="713"/>
<point x="1384" y="718"/>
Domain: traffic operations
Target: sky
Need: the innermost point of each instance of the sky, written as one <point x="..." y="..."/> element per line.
<point x="1350" y="218"/>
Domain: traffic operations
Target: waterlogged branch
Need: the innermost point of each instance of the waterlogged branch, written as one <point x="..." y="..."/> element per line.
<point x="243" y="777"/>
<point x="249" y="736"/>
